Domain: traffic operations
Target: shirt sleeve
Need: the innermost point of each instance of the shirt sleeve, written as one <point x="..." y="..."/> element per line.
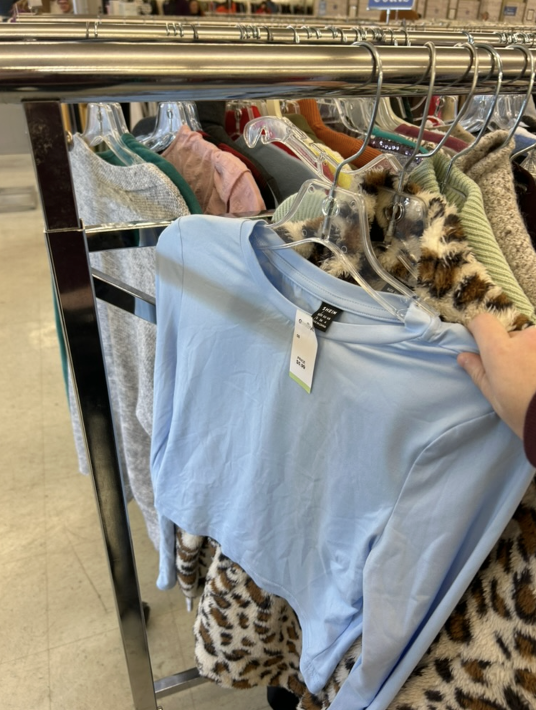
<point x="459" y="495"/>
<point x="529" y="432"/>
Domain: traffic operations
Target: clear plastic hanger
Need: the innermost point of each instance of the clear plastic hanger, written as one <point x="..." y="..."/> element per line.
<point x="269" y="129"/>
<point x="530" y="162"/>
<point x="119" y="117"/>
<point x="192" y="116"/>
<point x="170" y="118"/>
<point x="329" y="111"/>
<point x="344" y="213"/>
<point x="528" y="94"/>
<point x="404" y="204"/>
<point x="358" y="111"/>
<point x="290" y="106"/>
<point x="102" y="126"/>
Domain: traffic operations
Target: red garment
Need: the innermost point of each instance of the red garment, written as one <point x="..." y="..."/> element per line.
<point x="343" y="144"/>
<point x="432" y="137"/>
<point x="529" y="433"/>
<point x="235" y="120"/>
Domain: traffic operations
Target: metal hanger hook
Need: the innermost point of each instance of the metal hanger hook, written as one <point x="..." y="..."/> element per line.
<point x="497" y="62"/>
<point x="377" y="73"/>
<point x="529" y="61"/>
<point x="474" y="66"/>
<point x="469" y="36"/>
<point x="431" y="72"/>
<point x="296" y="35"/>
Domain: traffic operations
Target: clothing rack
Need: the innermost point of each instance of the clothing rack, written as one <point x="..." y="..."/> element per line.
<point x="128" y="71"/>
<point x="309" y="32"/>
<point x="43" y="74"/>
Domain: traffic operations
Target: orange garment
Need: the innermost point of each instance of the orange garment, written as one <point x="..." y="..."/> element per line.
<point x="343" y="144"/>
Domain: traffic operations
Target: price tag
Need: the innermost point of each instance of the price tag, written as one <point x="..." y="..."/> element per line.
<point x="303" y="354"/>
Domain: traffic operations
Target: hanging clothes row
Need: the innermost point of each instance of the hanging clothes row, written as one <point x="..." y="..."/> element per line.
<point x="318" y="495"/>
<point x="182" y="552"/>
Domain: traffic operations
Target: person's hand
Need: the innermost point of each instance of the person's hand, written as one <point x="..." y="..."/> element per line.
<point x="505" y="370"/>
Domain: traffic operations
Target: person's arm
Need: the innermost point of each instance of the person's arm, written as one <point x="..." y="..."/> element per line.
<point x="529" y="433"/>
<point x="505" y="372"/>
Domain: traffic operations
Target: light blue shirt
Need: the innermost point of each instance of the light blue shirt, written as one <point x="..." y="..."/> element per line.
<point x="368" y="504"/>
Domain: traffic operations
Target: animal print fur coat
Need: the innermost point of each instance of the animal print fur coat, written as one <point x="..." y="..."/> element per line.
<point x="484" y="658"/>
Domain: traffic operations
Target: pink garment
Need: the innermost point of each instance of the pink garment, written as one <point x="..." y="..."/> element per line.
<point x="220" y="181"/>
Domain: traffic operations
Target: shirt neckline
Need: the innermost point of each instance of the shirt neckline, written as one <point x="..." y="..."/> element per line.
<point x="254" y="236"/>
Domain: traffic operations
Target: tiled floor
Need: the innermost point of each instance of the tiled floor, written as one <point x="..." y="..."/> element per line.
<point x="59" y="641"/>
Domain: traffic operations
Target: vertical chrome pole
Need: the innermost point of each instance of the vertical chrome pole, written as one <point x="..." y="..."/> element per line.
<point x="69" y="263"/>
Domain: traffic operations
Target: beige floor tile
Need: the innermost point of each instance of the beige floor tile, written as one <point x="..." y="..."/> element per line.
<point x="16" y="170"/>
<point x="20" y="379"/>
<point x="24" y="683"/>
<point x="90" y="675"/>
<point x="209" y="696"/>
<point x="71" y="509"/>
<point x="184" y="622"/>
<point x="80" y="603"/>
<point x="180" y="701"/>
<point x="23" y="612"/>
<point x="21" y="458"/>
<point x="165" y="646"/>
<point x="59" y="455"/>
<point x="22" y="523"/>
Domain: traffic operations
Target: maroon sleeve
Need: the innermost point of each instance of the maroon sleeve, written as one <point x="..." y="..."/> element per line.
<point x="529" y="433"/>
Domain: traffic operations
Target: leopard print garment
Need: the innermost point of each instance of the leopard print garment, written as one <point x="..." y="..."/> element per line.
<point x="246" y="637"/>
<point x="484" y="658"/>
<point x="193" y="556"/>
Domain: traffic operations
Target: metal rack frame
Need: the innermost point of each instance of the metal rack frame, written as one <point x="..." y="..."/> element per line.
<point x="42" y="75"/>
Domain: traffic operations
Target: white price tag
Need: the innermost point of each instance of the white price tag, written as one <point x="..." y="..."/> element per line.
<point x="303" y="354"/>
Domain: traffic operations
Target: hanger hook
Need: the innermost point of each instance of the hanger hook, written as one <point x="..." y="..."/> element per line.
<point x="390" y="30"/>
<point x="269" y="35"/>
<point x="377" y="73"/>
<point x="475" y="66"/>
<point x="469" y="36"/>
<point x="431" y="71"/>
<point x="296" y="35"/>
<point x="529" y="60"/>
<point x="496" y="63"/>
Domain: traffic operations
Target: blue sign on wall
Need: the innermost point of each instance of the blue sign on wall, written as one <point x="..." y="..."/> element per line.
<point x="390" y="4"/>
<point x="510" y="11"/>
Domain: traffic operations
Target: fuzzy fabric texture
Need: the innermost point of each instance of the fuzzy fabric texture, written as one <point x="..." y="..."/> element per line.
<point x="465" y="195"/>
<point x="489" y="165"/>
<point x="246" y="637"/>
<point x="448" y="276"/>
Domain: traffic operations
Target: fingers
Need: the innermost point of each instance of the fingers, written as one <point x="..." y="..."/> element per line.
<point x="492" y="338"/>
<point x="487" y="330"/>
<point x="472" y="364"/>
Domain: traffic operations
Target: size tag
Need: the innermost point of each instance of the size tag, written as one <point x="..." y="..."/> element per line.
<point x="324" y="316"/>
<point x="303" y="354"/>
